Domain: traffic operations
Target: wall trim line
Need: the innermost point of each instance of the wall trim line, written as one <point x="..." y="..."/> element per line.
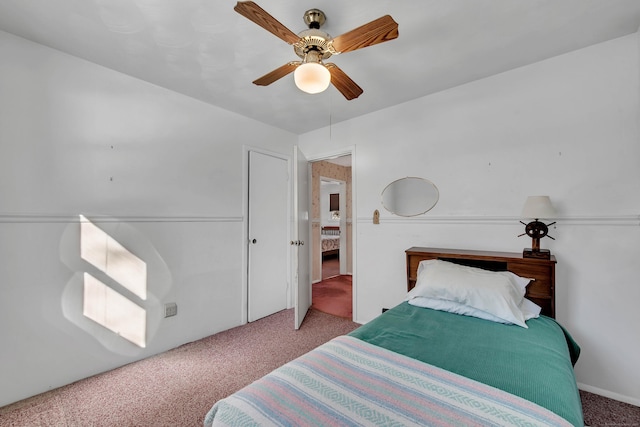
<point x="52" y="218"/>
<point x="583" y="220"/>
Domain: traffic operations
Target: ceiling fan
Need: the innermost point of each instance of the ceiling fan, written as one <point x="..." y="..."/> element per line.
<point x="314" y="45"/>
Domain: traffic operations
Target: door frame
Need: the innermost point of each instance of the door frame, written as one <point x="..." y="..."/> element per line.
<point x="350" y="150"/>
<point x="244" y="300"/>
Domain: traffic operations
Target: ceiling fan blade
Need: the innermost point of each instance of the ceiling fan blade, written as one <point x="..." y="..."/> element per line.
<point x="277" y="74"/>
<point x="378" y="31"/>
<point x="343" y="83"/>
<point x="255" y="13"/>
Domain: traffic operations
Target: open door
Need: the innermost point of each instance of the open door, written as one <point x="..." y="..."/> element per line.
<point x="301" y="244"/>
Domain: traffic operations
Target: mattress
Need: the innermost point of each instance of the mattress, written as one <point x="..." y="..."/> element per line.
<point x="349" y="382"/>
<point x="330" y="243"/>
<point x="535" y="363"/>
<point x="417" y="366"/>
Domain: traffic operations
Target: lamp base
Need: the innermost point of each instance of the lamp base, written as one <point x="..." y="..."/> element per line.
<point x="538" y="253"/>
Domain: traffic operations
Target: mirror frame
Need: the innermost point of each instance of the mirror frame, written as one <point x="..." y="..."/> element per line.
<point x="428" y="206"/>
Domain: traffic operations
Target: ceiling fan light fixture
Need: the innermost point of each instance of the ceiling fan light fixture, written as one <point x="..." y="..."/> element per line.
<point x="312" y="77"/>
<point x="314" y="46"/>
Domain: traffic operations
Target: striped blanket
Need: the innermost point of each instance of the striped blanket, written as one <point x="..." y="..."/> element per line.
<point x="350" y="382"/>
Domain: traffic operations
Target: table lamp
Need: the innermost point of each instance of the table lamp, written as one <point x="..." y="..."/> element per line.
<point x="537" y="207"/>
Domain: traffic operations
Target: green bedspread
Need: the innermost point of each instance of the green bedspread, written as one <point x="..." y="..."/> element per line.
<point x="535" y="363"/>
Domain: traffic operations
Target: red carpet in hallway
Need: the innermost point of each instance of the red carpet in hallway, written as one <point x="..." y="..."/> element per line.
<point x="330" y="268"/>
<point x="333" y="296"/>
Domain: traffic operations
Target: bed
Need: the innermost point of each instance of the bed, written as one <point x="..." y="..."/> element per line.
<point x="330" y="237"/>
<point x="414" y="365"/>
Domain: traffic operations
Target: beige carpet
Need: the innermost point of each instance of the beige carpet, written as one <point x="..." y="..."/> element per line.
<point x="178" y="387"/>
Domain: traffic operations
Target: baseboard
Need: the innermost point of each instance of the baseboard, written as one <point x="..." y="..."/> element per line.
<point x="609" y="394"/>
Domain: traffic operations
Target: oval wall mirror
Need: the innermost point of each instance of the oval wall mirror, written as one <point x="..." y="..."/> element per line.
<point x="410" y="196"/>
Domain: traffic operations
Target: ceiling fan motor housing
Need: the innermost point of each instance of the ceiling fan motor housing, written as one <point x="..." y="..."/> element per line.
<point x="313" y="40"/>
<point x="314" y="44"/>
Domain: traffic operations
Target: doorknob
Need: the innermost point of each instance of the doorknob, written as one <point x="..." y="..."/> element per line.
<point x="297" y="242"/>
<point x="254" y="241"/>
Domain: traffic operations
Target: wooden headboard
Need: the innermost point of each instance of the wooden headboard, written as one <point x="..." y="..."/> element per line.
<point x="541" y="290"/>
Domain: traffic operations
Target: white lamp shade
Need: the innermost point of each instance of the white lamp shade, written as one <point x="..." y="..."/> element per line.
<point x="312" y="77"/>
<point x="537" y="207"/>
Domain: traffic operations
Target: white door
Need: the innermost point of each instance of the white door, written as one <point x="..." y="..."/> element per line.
<point x="268" y="246"/>
<point x="301" y="242"/>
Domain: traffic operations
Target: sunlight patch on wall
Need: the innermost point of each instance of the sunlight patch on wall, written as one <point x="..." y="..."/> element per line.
<point x="110" y="257"/>
<point x="114" y="311"/>
<point x="101" y="303"/>
<point x="114" y="251"/>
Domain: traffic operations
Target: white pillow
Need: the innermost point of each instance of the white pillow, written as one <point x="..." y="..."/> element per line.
<point x="530" y="310"/>
<point x="522" y="282"/>
<point x="497" y="293"/>
<point x="454" y="307"/>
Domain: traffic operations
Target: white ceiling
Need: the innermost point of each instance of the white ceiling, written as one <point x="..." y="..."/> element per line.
<point x="204" y="49"/>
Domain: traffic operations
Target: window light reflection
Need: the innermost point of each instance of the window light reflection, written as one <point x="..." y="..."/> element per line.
<point x="110" y="257"/>
<point x="101" y="303"/>
<point x="114" y="311"/>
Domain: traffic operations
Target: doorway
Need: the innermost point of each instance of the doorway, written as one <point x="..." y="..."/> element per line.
<point x="332" y="227"/>
<point x="331" y="215"/>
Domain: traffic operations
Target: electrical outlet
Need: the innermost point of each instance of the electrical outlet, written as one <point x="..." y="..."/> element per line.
<point x="170" y="309"/>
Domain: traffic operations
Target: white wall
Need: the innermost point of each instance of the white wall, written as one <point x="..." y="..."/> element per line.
<point x="566" y="127"/>
<point x="160" y="171"/>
